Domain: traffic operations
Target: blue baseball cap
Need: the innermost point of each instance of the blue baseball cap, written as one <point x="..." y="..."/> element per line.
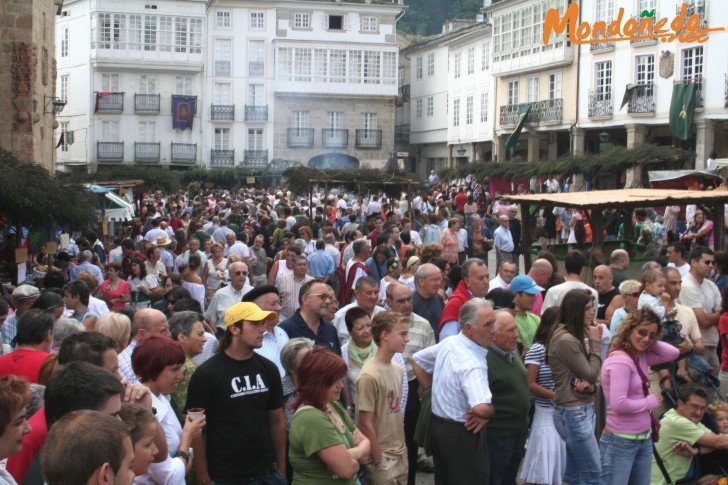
<point x="524" y="284"/>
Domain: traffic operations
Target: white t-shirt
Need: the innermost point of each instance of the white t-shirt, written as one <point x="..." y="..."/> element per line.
<point x="683" y="270"/>
<point x="705" y="295"/>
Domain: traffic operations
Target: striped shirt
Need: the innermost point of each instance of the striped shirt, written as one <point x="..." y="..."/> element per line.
<point x="460" y="376"/>
<point x="536" y="355"/>
<point x="288" y="289"/>
<point x="273" y="343"/>
<point x="420" y="336"/>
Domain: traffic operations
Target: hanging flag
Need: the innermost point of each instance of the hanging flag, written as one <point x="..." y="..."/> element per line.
<point x="60" y="140"/>
<point x="628" y="93"/>
<point x="512" y="141"/>
<point x="681" y="109"/>
<point x="183" y="111"/>
<point x="99" y="94"/>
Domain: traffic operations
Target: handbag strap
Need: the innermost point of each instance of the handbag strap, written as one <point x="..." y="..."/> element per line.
<point x="661" y="465"/>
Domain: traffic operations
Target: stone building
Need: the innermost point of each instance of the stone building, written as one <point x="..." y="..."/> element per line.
<point x="28" y="57"/>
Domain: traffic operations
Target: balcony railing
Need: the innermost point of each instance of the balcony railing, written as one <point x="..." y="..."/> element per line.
<point x="725" y="90"/>
<point x="549" y="110"/>
<point x="256" y="158"/>
<point x="109" y="102"/>
<point x="146" y="152"/>
<point x="643" y="99"/>
<point x="509" y="114"/>
<point x="184" y="152"/>
<point x="256" y="113"/>
<point x="222" y="68"/>
<point x="222" y="112"/>
<point x="697" y="8"/>
<point x="300" y="137"/>
<point x="334" y="138"/>
<point x="601" y="46"/>
<point x="368" y="139"/>
<point x="699" y="101"/>
<point x="600" y="104"/>
<point x="222" y="158"/>
<point x="110" y="151"/>
<point x="401" y="134"/>
<point x="256" y="68"/>
<point x="404" y="92"/>
<point x="644" y="37"/>
<point x="146" y="103"/>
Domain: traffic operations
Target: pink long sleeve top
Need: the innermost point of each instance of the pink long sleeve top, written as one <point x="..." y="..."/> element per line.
<point x="627" y="406"/>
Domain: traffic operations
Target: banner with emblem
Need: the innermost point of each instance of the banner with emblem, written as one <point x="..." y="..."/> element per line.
<point x="183" y="111"/>
<point x="681" y="109"/>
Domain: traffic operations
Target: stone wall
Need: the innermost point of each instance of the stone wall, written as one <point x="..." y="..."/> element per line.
<point x="27" y="54"/>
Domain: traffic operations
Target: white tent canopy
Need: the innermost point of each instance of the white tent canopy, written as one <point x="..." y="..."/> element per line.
<point x="117" y="208"/>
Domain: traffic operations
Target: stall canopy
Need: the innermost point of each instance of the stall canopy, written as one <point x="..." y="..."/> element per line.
<point x="683" y="179"/>
<point x="116" y="208"/>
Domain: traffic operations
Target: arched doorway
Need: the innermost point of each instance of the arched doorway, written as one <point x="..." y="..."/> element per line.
<point x="333" y="160"/>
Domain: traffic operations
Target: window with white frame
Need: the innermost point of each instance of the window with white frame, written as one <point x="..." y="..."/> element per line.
<point x="302" y="60"/>
<point x="431" y="64"/>
<point x="64" y="132"/>
<point x="456" y="112"/>
<point x="256" y="94"/>
<point x="471" y="60"/>
<point x="691" y="67"/>
<point x="519" y="32"/>
<point x="418" y="108"/>
<point x="430" y="106"/>
<point x="320" y="65"/>
<point x="183" y="85"/>
<point x="63" y="88"/>
<point x="301" y="119"/>
<point x="457" y="64"/>
<point x="255" y="138"/>
<point x="111" y="31"/>
<point x="370" y="122"/>
<point x="418" y="67"/>
<point x="335" y="120"/>
<point x="110" y="131"/>
<point x="484" y="106"/>
<point x="135" y="32"/>
<point x="147" y="84"/>
<point x="222" y="94"/>
<point x="166" y="33"/>
<point x="337" y="65"/>
<point x="605" y="10"/>
<point x="532" y="89"/>
<point x="256" y="57"/>
<point x="469" y="110"/>
<point x="64" y="42"/>
<point x="645" y="5"/>
<point x="485" y="59"/>
<point x="180" y="35"/>
<point x="195" y="37"/>
<point x="513" y="86"/>
<point x="147" y="132"/>
<point x="221" y="138"/>
<point x="389" y="67"/>
<point x="372" y="67"/>
<point x="302" y="20"/>
<point x="645" y="69"/>
<point x="110" y="83"/>
<point x="369" y="24"/>
<point x="603" y="79"/>
<point x="223" y="57"/>
<point x="555" y="85"/>
<point x="150" y="33"/>
<point x="222" y="19"/>
<point x="354" y="69"/>
<point x="257" y="20"/>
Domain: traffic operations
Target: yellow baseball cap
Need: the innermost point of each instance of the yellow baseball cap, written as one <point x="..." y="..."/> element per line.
<point x="247" y="311"/>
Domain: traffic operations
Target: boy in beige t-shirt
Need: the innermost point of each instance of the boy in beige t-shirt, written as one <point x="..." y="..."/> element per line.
<point x="379" y="391"/>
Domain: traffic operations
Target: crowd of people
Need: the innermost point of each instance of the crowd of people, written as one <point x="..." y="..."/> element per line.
<point x="257" y="337"/>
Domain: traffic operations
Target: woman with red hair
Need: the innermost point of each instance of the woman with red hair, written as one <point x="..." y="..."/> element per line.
<point x="325" y="445"/>
<point x="14" y="397"/>
<point x="157" y="361"/>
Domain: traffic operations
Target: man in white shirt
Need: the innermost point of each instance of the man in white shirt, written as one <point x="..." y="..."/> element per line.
<point x="457" y="371"/>
<point x="676" y="258"/>
<point x="274" y="338"/>
<point x="574" y="262"/>
<point x="366" y="296"/>
<point x="236" y="247"/>
<point x="506" y="272"/>
<point x="228" y="296"/>
<point x="503" y="241"/>
<point x="374" y="206"/>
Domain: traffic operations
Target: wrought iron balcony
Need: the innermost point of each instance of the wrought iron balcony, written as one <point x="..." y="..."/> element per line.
<point x="368" y="139"/>
<point x="222" y="112"/>
<point x="725" y="90"/>
<point x="509" y="114"/>
<point x="549" y="110"/>
<point x="256" y="113"/>
<point x="223" y="68"/>
<point x="109" y="102"/>
<point x="602" y="46"/>
<point x="696" y="8"/>
<point x="256" y="68"/>
<point x="401" y="134"/>
<point x="146" y="103"/>
<point x="699" y="101"/>
<point x="600" y="104"/>
<point x="643" y="99"/>
<point x="300" y="137"/>
<point x="184" y="152"/>
<point x="644" y="37"/>
<point x="256" y="158"/>
<point x="110" y="151"/>
<point x="404" y="92"/>
<point x="222" y="158"/>
<point x="146" y="152"/>
<point x="334" y="138"/>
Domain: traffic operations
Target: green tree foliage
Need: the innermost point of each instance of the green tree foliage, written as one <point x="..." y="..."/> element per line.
<point x="154" y="178"/>
<point x="425" y="17"/>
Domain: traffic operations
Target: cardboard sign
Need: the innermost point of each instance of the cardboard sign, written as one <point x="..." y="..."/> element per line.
<point x="21" y="273"/>
<point x="65" y="241"/>
<point x="51" y="247"/>
<point x="21" y="255"/>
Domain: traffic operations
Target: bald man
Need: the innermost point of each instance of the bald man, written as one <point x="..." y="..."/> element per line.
<point x="541" y="272"/>
<point x="619" y="262"/>
<point x="146" y="321"/>
<point x="609" y="297"/>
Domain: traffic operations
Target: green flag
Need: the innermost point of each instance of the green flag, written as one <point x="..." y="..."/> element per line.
<point x="512" y="141"/>
<point x="681" y="109"/>
<point x="628" y="93"/>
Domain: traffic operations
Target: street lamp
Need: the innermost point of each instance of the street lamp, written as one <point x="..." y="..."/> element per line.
<point x="604" y="143"/>
<point x="56" y="105"/>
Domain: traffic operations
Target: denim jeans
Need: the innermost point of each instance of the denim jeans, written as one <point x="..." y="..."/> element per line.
<point x="624" y="461"/>
<point x="575" y="425"/>
<point x="271" y="478"/>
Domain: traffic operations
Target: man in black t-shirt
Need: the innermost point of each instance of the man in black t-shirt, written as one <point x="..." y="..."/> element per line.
<point x="242" y="396"/>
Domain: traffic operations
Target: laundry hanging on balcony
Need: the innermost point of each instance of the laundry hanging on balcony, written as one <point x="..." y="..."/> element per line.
<point x="681" y="109"/>
<point x="183" y="111"/>
<point x="512" y="141"/>
<point x="99" y="95"/>
<point x="628" y="93"/>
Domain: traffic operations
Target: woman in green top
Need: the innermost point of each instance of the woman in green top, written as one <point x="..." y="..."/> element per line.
<point x="324" y="444"/>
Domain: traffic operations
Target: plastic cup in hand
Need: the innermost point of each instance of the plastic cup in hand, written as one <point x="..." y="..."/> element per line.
<point x="195" y="413"/>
